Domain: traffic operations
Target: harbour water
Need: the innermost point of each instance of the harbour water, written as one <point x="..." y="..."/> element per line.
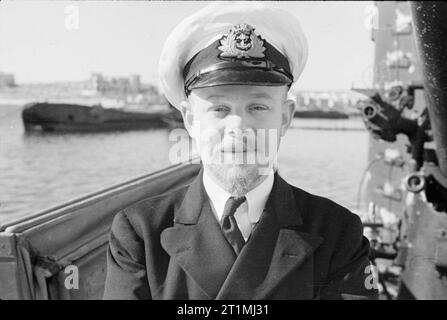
<point x="326" y="157"/>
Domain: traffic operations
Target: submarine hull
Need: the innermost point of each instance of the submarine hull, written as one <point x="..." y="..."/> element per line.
<point x="53" y="117"/>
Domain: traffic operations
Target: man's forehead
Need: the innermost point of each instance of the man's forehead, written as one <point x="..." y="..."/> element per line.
<point x="248" y="92"/>
<point x="257" y="95"/>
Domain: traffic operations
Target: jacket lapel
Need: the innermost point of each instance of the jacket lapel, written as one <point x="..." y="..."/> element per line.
<point x="196" y="242"/>
<point x="275" y="248"/>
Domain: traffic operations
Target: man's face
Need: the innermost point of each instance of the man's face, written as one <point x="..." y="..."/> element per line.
<point x="237" y="130"/>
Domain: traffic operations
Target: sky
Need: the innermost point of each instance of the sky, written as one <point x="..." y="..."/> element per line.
<point x="42" y="41"/>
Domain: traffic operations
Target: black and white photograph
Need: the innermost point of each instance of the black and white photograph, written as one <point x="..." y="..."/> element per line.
<point x="243" y="151"/>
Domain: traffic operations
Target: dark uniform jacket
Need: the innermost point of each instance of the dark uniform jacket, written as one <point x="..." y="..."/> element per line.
<point x="303" y="247"/>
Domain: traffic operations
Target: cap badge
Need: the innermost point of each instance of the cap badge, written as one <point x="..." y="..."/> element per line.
<point x="241" y="42"/>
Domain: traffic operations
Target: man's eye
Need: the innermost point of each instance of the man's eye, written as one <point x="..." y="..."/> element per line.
<point x="218" y="109"/>
<point x="258" y="107"/>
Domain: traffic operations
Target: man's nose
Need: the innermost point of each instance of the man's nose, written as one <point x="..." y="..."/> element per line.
<point x="236" y="123"/>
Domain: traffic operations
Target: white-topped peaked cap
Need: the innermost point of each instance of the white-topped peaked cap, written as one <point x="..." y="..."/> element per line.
<point x="274" y="27"/>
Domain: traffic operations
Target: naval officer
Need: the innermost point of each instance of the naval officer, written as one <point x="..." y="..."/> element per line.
<point x="239" y="230"/>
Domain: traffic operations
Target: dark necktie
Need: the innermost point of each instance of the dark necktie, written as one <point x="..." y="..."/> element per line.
<point x="229" y="224"/>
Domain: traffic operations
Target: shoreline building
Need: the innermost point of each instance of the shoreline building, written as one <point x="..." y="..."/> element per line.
<point x="326" y="100"/>
<point x="7" y="80"/>
<point x="128" y="89"/>
<point x="119" y="85"/>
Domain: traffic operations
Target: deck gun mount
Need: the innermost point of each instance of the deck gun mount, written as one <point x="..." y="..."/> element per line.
<point x="422" y="241"/>
<point x="384" y="118"/>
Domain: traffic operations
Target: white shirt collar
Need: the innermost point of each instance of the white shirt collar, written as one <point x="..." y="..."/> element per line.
<point x="256" y="198"/>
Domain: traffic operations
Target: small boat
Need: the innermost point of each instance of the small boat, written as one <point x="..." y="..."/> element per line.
<point x="64" y="117"/>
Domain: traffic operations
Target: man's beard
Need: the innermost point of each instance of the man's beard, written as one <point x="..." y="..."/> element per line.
<point x="236" y="179"/>
<point x="238" y="163"/>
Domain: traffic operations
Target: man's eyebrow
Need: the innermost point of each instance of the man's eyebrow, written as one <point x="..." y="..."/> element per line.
<point x="261" y="95"/>
<point x="215" y="96"/>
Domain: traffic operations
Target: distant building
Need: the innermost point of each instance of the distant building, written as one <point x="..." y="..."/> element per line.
<point x="325" y="99"/>
<point x="97" y="82"/>
<point x="129" y="89"/>
<point x="135" y="83"/>
<point x="118" y="85"/>
<point x="7" y="80"/>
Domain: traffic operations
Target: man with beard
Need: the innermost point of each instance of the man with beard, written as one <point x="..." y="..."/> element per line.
<point x="238" y="231"/>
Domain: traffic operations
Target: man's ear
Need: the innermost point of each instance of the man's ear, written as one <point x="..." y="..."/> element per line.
<point x="288" y="110"/>
<point x="188" y="117"/>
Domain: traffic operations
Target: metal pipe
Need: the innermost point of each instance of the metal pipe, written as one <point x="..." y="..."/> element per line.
<point x="430" y="22"/>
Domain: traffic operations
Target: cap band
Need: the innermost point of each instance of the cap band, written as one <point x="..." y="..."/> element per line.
<point x="264" y="65"/>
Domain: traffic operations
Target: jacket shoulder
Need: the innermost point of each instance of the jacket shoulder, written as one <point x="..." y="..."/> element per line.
<point x="324" y="214"/>
<point x="344" y="253"/>
<point x="153" y="212"/>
